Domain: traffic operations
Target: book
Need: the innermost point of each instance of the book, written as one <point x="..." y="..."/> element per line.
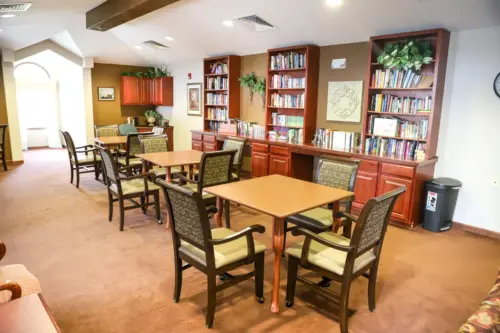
<point x="287" y="101"/>
<point x="395" y="127"/>
<point x="329" y="139"/>
<point x="399" y="79"/>
<point x="288" y="60"/>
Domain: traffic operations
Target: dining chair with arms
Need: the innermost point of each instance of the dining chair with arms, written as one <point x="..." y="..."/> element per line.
<point x="126" y="129"/>
<point x="133" y="148"/>
<point x="128" y="188"/>
<point x="212" y="251"/>
<point x="106" y="130"/>
<point x="82" y="159"/>
<point x="342" y="259"/>
<point x="3" y="130"/>
<point x="157" y="144"/>
<point x="237" y="144"/>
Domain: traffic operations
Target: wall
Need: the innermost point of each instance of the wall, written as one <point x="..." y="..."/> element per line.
<point x="111" y="112"/>
<point x="256" y="111"/>
<point x="3" y="115"/>
<point x="14" y="132"/>
<point x="469" y="136"/>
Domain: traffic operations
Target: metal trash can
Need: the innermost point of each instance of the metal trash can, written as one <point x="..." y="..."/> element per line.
<point x="439" y="203"/>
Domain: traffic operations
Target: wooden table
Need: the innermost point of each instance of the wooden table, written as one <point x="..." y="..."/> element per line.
<point x="172" y="159"/>
<point x="110" y="140"/>
<point x="28" y="314"/>
<point x="280" y="197"/>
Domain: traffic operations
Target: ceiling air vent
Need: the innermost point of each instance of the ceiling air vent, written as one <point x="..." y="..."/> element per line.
<point x="155" y="45"/>
<point x="14" y="7"/>
<point x="255" y="23"/>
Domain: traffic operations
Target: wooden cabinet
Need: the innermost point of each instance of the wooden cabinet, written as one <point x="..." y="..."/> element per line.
<point x="208" y="146"/>
<point x="144" y="91"/>
<point x="130" y="91"/>
<point x="197" y="145"/>
<point x="163" y="91"/>
<point x="402" y="207"/>
<point x="279" y="165"/>
<point x="365" y="189"/>
<point x="260" y="164"/>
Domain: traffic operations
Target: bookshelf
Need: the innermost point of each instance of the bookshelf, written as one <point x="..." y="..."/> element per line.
<point x="416" y="104"/>
<point x="221" y="90"/>
<point x="292" y="91"/>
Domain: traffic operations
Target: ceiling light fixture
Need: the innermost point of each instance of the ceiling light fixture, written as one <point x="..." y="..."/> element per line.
<point x="138" y="47"/>
<point x="333" y="3"/>
<point x="228" y="23"/>
<point x="7" y="15"/>
<point x="169" y="38"/>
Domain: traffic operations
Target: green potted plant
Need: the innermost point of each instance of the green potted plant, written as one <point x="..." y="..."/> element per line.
<point x="260" y="88"/>
<point x="406" y="55"/>
<point x="153" y="117"/>
<point x="249" y="81"/>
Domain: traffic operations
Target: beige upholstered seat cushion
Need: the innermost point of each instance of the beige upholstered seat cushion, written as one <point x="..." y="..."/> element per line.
<point x="19" y="274"/>
<point x="134" y="186"/>
<point x="82" y="158"/>
<point x="234" y="175"/>
<point x="330" y="259"/>
<point x="320" y="214"/>
<point x="132" y="161"/>
<point x="225" y="254"/>
<point x="194" y="188"/>
<point x="163" y="171"/>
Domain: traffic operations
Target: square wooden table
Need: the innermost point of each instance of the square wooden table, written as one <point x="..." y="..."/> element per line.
<point x="280" y="197"/>
<point x="172" y="159"/>
<point x="111" y="140"/>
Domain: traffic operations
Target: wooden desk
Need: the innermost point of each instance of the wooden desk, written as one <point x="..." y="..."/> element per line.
<point x="110" y="140"/>
<point x="28" y="314"/>
<point x="280" y="197"/>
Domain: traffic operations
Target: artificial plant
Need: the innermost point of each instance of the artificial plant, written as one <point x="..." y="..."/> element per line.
<point x="249" y="81"/>
<point x="406" y="55"/>
<point x="154" y="114"/>
<point x="260" y="88"/>
<point x="150" y="73"/>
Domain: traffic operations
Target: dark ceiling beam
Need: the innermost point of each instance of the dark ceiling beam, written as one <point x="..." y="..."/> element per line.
<point x="113" y="13"/>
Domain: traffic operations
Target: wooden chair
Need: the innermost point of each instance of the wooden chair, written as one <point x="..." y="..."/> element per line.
<point x="211" y="251"/>
<point x="237" y="144"/>
<point x="107" y="130"/>
<point x="156" y="144"/>
<point x="128" y="188"/>
<point x="133" y="148"/>
<point x="80" y="161"/>
<point x="126" y="129"/>
<point x="3" y="130"/>
<point x="342" y="259"/>
<point x="15" y="280"/>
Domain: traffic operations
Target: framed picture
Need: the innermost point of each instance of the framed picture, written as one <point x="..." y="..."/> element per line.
<point x="194" y="99"/>
<point x="344" y="101"/>
<point x="106" y="94"/>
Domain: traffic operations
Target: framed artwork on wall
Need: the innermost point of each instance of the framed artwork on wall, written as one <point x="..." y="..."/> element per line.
<point x="106" y="94"/>
<point x="344" y="101"/>
<point x="194" y="99"/>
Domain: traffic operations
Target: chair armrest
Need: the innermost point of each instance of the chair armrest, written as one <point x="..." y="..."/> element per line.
<point x="186" y="179"/>
<point x="13" y="287"/>
<point x="247" y="232"/>
<point x="3" y="250"/>
<point x="86" y="146"/>
<point x="86" y="151"/>
<point x="141" y="176"/>
<point x="124" y="169"/>
<point x="347" y="216"/>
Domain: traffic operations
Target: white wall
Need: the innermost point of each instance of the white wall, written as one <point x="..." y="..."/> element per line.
<point x="177" y="114"/>
<point x="470" y="129"/>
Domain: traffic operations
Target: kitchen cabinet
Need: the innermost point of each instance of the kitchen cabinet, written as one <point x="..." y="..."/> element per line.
<point x="144" y="91"/>
<point x="365" y="189"/>
<point x="163" y="91"/>
<point x="279" y="165"/>
<point x="402" y="206"/>
<point x="130" y="90"/>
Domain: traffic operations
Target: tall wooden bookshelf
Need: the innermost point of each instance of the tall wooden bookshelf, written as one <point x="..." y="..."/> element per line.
<point x="228" y="72"/>
<point x="439" y="40"/>
<point x="308" y="70"/>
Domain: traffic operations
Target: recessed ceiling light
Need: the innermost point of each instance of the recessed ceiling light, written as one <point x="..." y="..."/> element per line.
<point x="8" y="15"/>
<point x="138" y="47"/>
<point x="333" y="3"/>
<point x="169" y="38"/>
<point x="228" y="23"/>
<point x="1" y="30"/>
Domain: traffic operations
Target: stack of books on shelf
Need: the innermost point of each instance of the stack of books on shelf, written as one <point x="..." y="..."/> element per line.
<point x="282" y="120"/>
<point x="217" y="82"/>
<point x="393" y="148"/>
<point x="217" y="114"/>
<point x="395" y="104"/>
<point x="217" y="99"/>
<point x="218" y="68"/>
<point x="287" y="81"/>
<point x="394" y="78"/>
<point x="329" y="139"/>
<point x="288" y="60"/>
<point x="258" y="132"/>
<point x="291" y="135"/>
<point x="287" y="101"/>
<point x="395" y="127"/>
<point x="214" y="126"/>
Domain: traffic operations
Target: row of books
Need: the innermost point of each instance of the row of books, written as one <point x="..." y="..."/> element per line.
<point x="217" y="114"/>
<point x="394" y="148"/>
<point x="282" y="120"/>
<point x="217" y="99"/>
<point x="394" y="78"/>
<point x="291" y="135"/>
<point x="395" y="127"/>
<point x="287" y="81"/>
<point x="218" y="68"/>
<point x="289" y="60"/>
<point x="395" y="104"/>
<point x="217" y="82"/>
<point x="214" y="125"/>
<point x="287" y="101"/>
<point x="329" y="139"/>
<point x="244" y="127"/>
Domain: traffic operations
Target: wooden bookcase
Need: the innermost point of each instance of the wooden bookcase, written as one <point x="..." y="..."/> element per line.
<point x="309" y="72"/>
<point x="439" y="40"/>
<point x="231" y="90"/>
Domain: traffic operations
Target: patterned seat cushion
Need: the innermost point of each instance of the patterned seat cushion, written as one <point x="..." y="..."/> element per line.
<point x="134" y="186"/>
<point x="82" y="158"/>
<point x="234" y="175"/>
<point x="163" y="171"/>
<point x="225" y="253"/>
<point x="19" y="274"/>
<point x="194" y="188"/>
<point x="132" y="161"/>
<point x="321" y="217"/>
<point x="330" y="259"/>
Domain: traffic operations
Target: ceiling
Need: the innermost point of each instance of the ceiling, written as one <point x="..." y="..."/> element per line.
<point x="196" y="26"/>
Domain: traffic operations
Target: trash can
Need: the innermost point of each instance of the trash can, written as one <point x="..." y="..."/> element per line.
<point x="439" y="203"/>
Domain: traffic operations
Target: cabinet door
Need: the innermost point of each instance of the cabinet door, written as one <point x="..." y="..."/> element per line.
<point x="401" y="209"/>
<point x="146" y="91"/>
<point x="279" y="165"/>
<point x="365" y="189"/>
<point x="260" y="164"/>
<point x="130" y="90"/>
<point x="197" y="145"/>
<point x="209" y="146"/>
<point x="164" y="91"/>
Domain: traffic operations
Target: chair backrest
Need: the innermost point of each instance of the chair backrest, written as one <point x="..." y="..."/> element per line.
<point x="373" y="220"/>
<point x="109" y="130"/>
<point x="158" y="130"/>
<point x="235" y="144"/>
<point x="70" y="146"/>
<point x="215" y="168"/>
<point x="133" y="144"/>
<point x="153" y="143"/>
<point x="126" y="129"/>
<point x="109" y="167"/>
<point x="337" y="172"/>
<point x="3" y="130"/>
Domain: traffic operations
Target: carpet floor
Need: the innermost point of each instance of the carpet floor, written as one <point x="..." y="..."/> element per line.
<point x="98" y="279"/>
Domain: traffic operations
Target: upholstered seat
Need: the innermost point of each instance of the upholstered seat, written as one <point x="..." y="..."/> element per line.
<point x="194" y="188"/>
<point x="317" y="219"/>
<point x="19" y="274"/>
<point x="134" y="186"/>
<point x="87" y="158"/>
<point x="163" y="171"/>
<point x="132" y="161"/>
<point x="224" y="254"/>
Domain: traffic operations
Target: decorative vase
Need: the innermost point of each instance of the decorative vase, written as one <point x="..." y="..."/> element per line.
<point x="151" y="121"/>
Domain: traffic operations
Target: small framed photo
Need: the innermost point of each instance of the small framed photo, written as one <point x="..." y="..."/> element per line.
<point x="194" y="99"/>
<point x="106" y="94"/>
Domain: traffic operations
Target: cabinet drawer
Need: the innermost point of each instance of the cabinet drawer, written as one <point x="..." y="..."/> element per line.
<point x="196" y="136"/>
<point x="197" y="145"/>
<point x="398" y="170"/>
<point x="260" y="147"/>
<point x="209" y="146"/>
<point x="209" y="138"/>
<point x="277" y="150"/>
<point x="368" y="166"/>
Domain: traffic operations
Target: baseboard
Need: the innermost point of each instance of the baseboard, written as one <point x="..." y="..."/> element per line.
<point x="15" y="162"/>
<point x="477" y="231"/>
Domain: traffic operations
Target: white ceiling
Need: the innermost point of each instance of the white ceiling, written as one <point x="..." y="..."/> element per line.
<point x="196" y="26"/>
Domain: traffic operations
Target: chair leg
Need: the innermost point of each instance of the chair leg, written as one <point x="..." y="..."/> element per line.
<point x="96" y="171"/>
<point x="259" y="277"/>
<point x="4" y="161"/>
<point x="293" y="266"/>
<point x="143" y="205"/>
<point x="77" y="170"/>
<point x="284" y="238"/>
<point x="72" y="173"/>
<point x="178" y="280"/>
<point x="344" y="306"/>
<point x="122" y="214"/>
<point x="226" y="214"/>
<point x="110" y="202"/>
<point x="157" y="207"/>
<point x="211" y="294"/>
<point x="371" y="287"/>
